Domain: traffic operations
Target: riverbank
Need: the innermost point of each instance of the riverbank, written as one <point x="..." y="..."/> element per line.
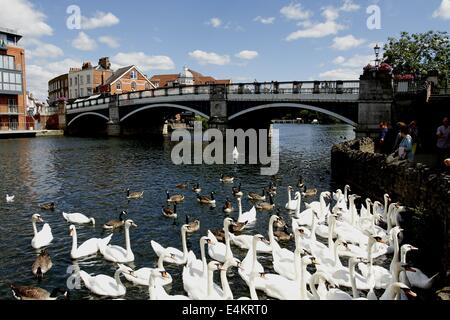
<point x="30" y="133"/>
<point x="425" y="192"/>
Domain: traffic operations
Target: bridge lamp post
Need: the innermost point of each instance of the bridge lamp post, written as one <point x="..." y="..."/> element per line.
<point x="377" y="55"/>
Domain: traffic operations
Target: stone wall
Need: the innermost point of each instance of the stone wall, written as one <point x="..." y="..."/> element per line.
<point x="424" y="192"/>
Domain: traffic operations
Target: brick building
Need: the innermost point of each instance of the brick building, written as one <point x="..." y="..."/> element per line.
<point x="185" y="78"/>
<point x="127" y="79"/>
<point x="58" y="89"/>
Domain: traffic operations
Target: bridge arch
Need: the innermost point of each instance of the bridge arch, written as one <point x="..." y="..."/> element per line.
<point x="164" y="105"/>
<point x="88" y="114"/>
<point x="294" y="105"/>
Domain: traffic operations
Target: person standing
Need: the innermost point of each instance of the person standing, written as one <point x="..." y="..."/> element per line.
<point x="382" y="137"/>
<point x="443" y="141"/>
<point x="405" y="145"/>
<point x="414" y="133"/>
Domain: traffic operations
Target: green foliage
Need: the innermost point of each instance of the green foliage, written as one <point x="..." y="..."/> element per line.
<point x="203" y="120"/>
<point x="419" y="53"/>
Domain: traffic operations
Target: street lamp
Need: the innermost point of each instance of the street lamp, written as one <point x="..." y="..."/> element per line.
<point x="377" y="55"/>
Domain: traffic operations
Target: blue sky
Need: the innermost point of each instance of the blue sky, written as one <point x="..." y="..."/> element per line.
<point x="242" y="40"/>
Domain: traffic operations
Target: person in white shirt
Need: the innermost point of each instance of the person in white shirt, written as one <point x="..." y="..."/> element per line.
<point x="443" y="141"/>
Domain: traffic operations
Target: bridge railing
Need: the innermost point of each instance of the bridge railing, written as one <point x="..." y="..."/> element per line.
<point x="88" y="103"/>
<point x="304" y="87"/>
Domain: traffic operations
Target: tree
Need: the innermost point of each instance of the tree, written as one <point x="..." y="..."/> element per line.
<point x="419" y="54"/>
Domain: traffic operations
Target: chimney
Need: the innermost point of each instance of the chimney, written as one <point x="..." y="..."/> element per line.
<point x="104" y="63"/>
<point x="86" y="65"/>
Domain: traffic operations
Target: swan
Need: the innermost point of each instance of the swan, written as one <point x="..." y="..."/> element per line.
<point x="246" y="217"/>
<point x="142" y="276"/>
<point x="78" y="218"/>
<point x="245" y="242"/>
<point x="217" y="250"/>
<point x="36" y="293"/>
<point x="250" y="265"/>
<point x="175" y="198"/>
<point x="257" y="197"/>
<point x="117" y="253"/>
<point x="169" y="212"/>
<point x="177" y="256"/>
<point x="226" y="179"/>
<point x="134" y="195"/>
<point x="347" y="189"/>
<point x="9" y="198"/>
<point x="114" y="223"/>
<point x="237" y="191"/>
<point x="42" y="264"/>
<point x="415" y="278"/>
<point x="88" y="248"/>
<point x="228" y="206"/>
<point x="291" y="204"/>
<point x="206" y="199"/>
<point x="104" y="285"/>
<point x="156" y="290"/>
<point x="42" y="238"/>
<point x="213" y="292"/>
<point x="305" y="218"/>
<point x="251" y="286"/>
<point x="394" y="291"/>
<point x="227" y="293"/>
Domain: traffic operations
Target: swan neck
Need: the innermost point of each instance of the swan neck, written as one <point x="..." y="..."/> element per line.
<point x="353" y="280"/>
<point x="151" y="288"/>
<point x="227" y="293"/>
<point x="34" y="228"/>
<point x="127" y="241"/>
<point x="74" y="242"/>
<point x="228" y="253"/>
<point x="117" y="278"/>
<point x="253" y="294"/>
<point x="184" y="244"/>
<point x="161" y="262"/>
<point x="202" y="252"/>
<point x="312" y="285"/>
<point x="210" y="282"/>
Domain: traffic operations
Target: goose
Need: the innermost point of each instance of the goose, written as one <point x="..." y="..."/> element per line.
<point x="394" y="291"/>
<point x="78" y="218"/>
<point x="9" y="198"/>
<point x="142" y="276"/>
<point x="175" y="198"/>
<point x="194" y="226"/>
<point x="104" y="285"/>
<point x="283" y="235"/>
<point x="228" y="206"/>
<point x="42" y="264"/>
<point x="272" y="189"/>
<point x="169" y="212"/>
<point x="182" y="186"/>
<point x="48" y="206"/>
<point x="266" y="206"/>
<point x="237" y="191"/>
<point x="226" y="179"/>
<point x="245" y="242"/>
<point x="309" y="192"/>
<point x="42" y="238"/>
<point x="134" y="195"/>
<point x="196" y="188"/>
<point x="116" y="253"/>
<point x="219" y="251"/>
<point x="87" y="248"/>
<point x="247" y="217"/>
<point x="415" y="277"/>
<point x="235" y="155"/>
<point x="206" y="199"/>
<point x="156" y="290"/>
<point x="291" y="204"/>
<point x="176" y="256"/>
<point x="257" y="197"/>
<point x="36" y="293"/>
<point x="235" y="228"/>
<point x="115" y="224"/>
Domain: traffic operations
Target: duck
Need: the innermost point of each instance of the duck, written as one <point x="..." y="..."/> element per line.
<point x="134" y="195"/>
<point x="42" y="264"/>
<point x="48" y="206"/>
<point x="78" y="218"/>
<point x="115" y="224"/>
<point x="226" y="179"/>
<point x="142" y="276"/>
<point x="104" y="285"/>
<point x="182" y="186"/>
<point x="156" y="290"/>
<point x="248" y="217"/>
<point x="194" y="226"/>
<point x="36" y="293"/>
<point x="175" y="198"/>
<point x="42" y="238"/>
<point x="196" y="188"/>
<point x="116" y="253"/>
<point x="169" y="212"/>
<point x="237" y="191"/>
<point x="10" y="198"/>
<point x="206" y="199"/>
<point x="176" y="256"/>
<point x="89" y="247"/>
<point x="257" y="197"/>
<point x="266" y="206"/>
<point x="228" y="206"/>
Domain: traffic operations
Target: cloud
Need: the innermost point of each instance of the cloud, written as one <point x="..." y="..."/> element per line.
<point x="99" y="20"/>
<point x="349" y="6"/>
<point x="215" y="22"/>
<point x="349" y="68"/>
<point x="143" y="61"/>
<point x="268" y="20"/>
<point x="339" y="60"/>
<point x="340" y="74"/>
<point x="44" y="50"/>
<point x="295" y="12"/>
<point x="109" y="41"/>
<point x="330" y="13"/>
<point x="347" y="42"/>
<point x="443" y="11"/>
<point x="319" y="30"/>
<point x="247" y="55"/>
<point x="357" y="61"/>
<point x="203" y="58"/>
<point x="23" y="16"/>
<point x="84" y="43"/>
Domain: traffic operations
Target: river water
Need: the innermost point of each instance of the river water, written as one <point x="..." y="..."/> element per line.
<point x="90" y="175"/>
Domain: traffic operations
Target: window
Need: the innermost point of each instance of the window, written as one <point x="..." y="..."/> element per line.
<point x="76" y="93"/>
<point x="119" y="85"/>
<point x="76" y="81"/>
<point x="7" y="62"/>
<point x="133" y="86"/>
<point x="82" y="92"/>
<point x="88" y="79"/>
<point x="81" y="79"/>
<point x="133" y="74"/>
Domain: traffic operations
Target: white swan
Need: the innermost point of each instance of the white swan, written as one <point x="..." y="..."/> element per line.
<point x="394" y="290"/>
<point x="250" y="265"/>
<point x="246" y="217"/>
<point x="245" y="242"/>
<point x="142" y="276"/>
<point x="87" y="248"/>
<point x="305" y="217"/>
<point x="227" y="293"/>
<point x="415" y="278"/>
<point x="117" y="253"/>
<point x="217" y="250"/>
<point x="9" y="198"/>
<point x="291" y="204"/>
<point x="77" y="218"/>
<point x="42" y="238"/>
<point x="103" y="285"/>
<point x="175" y="255"/>
<point x="156" y="290"/>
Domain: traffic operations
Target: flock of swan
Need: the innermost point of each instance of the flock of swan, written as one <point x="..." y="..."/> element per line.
<point x="327" y="234"/>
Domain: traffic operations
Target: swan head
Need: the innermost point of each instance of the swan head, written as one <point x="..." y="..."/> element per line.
<point x="326" y="195"/>
<point x="228" y="222"/>
<point x="214" y="265"/>
<point x="72" y="230"/>
<point x="130" y="223"/>
<point x="342" y="244"/>
<point x="407" y="290"/>
<point x="407" y="247"/>
<point x="347" y="187"/>
<point x="354" y="197"/>
<point x="309" y="260"/>
<point x="125" y="269"/>
<point x="37" y="218"/>
<point x="186" y="228"/>
<point x="353" y="261"/>
<point x="302" y="231"/>
<point x="204" y="240"/>
<point x="92" y="221"/>
<point x="386" y="197"/>
<point x="258" y="237"/>
<point x="231" y="263"/>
